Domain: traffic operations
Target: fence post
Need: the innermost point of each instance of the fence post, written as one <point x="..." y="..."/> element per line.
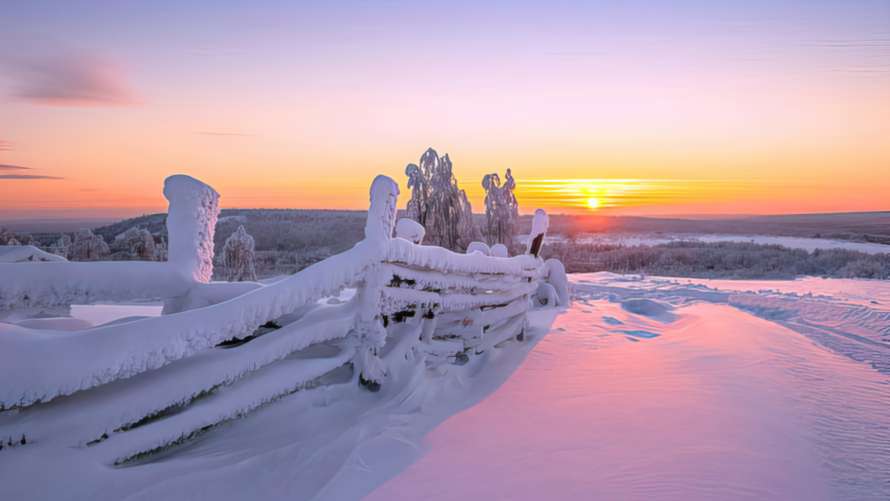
<point x="540" y="223"/>
<point x="191" y="223"/>
<point x="369" y="326"/>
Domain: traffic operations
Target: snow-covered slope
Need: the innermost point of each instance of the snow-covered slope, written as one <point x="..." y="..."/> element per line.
<point x="645" y="388"/>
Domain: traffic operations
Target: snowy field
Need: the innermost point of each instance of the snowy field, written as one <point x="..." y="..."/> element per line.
<point x="645" y="388"/>
<point x="803" y="243"/>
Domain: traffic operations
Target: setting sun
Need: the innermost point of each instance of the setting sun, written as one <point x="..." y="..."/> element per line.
<point x="593" y="203"/>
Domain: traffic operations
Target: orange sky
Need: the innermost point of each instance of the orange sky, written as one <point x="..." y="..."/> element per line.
<point x="767" y="107"/>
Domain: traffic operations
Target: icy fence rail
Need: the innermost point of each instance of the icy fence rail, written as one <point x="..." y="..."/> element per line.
<point x="127" y="378"/>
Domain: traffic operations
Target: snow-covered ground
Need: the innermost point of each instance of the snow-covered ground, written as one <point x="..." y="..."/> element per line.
<point x="804" y="243"/>
<point x="645" y="388"/>
<point x="657" y="389"/>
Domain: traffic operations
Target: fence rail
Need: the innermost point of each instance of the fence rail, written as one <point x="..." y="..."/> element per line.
<point x="223" y="349"/>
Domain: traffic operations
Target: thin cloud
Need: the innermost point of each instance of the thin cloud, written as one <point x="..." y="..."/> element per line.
<point x="13" y="167"/>
<point x="5" y="145"/>
<point x="224" y="133"/>
<point x="73" y="80"/>
<point x="27" y="176"/>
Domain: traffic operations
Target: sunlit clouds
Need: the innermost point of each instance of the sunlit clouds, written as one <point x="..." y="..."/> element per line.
<point x="74" y="79"/>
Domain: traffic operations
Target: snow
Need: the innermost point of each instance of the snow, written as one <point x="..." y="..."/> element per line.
<point x="191" y="223"/>
<point x="555" y="273"/>
<point x="499" y="250"/>
<point x="480" y="247"/>
<point x="410" y="230"/>
<point x="25" y="253"/>
<point x="644" y="388"/>
<point x="714" y="403"/>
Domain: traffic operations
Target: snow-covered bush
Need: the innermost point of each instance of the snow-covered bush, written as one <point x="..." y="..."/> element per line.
<point x="410" y="230"/>
<point x="555" y="274"/>
<point x="239" y="256"/>
<point x="501" y="208"/>
<point x="62" y="246"/>
<point x="135" y="244"/>
<point x="438" y="203"/>
<point x="6" y="236"/>
<point x="479" y="247"/>
<point x="88" y="246"/>
<point x="499" y="250"/>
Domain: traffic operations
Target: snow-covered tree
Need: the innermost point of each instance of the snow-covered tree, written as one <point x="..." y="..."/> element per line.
<point x="62" y="246"/>
<point x="239" y="256"/>
<point x="88" y="246"/>
<point x="6" y="236"/>
<point x="136" y="243"/>
<point x="438" y="203"/>
<point x="161" y="249"/>
<point x="9" y="238"/>
<point x="501" y="208"/>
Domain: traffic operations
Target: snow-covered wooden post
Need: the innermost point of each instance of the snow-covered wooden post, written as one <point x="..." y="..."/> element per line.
<point x="191" y="222"/>
<point x="540" y="223"/>
<point x="369" y="322"/>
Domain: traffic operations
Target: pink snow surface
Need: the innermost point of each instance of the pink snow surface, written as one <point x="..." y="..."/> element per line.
<point x="712" y="404"/>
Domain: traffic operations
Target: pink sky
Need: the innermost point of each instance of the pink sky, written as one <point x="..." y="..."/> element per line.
<point x="762" y="107"/>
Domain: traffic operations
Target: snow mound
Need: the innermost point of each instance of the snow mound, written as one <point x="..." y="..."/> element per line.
<point x="410" y="230"/>
<point x="649" y="308"/>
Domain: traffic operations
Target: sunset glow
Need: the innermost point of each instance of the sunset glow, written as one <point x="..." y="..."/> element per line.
<point x="756" y="107"/>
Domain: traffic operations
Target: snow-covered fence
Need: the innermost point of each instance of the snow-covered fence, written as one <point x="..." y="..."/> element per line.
<point x="240" y="345"/>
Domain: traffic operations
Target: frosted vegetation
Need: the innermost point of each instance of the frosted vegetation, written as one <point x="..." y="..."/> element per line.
<point x="239" y="256"/>
<point x="438" y="203"/>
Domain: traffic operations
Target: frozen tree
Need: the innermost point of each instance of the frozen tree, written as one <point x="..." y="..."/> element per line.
<point x="239" y="256"/>
<point x="6" y="236"/>
<point x="88" y="246"/>
<point x="161" y="249"/>
<point x="136" y="243"/>
<point x="501" y="208"/>
<point x="62" y="246"/>
<point x="438" y="203"/>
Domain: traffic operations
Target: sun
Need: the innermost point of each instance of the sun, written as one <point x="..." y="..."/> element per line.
<point x="593" y="203"/>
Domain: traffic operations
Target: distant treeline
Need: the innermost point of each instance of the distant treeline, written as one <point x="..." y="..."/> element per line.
<point x="719" y="260"/>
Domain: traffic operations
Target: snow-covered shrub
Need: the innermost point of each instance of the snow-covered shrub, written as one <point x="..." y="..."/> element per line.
<point x="135" y="244"/>
<point x="499" y="250"/>
<point x="501" y="208"/>
<point x="6" y="236"/>
<point x="88" y="246"/>
<point x="438" y="203"/>
<point x="62" y="246"/>
<point x="239" y="256"/>
<point x="410" y="230"/>
<point x="555" y="274"/>
<point x="479" y="247"/>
